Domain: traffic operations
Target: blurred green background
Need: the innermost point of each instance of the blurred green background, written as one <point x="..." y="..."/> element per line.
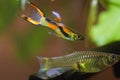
<point x="21" y="42"/>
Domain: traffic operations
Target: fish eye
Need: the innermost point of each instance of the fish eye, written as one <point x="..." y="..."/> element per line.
<point x="80" y="37"/>
<point x="113" y="57"/>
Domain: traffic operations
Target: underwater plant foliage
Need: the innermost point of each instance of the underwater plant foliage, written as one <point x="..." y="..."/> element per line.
<point x="28" y="44"/>
<point x="34" y="41"/>
<point x="8" y="11"/>
<point x="106" y="30"/>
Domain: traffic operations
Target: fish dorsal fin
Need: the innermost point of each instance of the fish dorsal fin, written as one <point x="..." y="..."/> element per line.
<point x="57" y="15"/>
<point x="67" y="51"/>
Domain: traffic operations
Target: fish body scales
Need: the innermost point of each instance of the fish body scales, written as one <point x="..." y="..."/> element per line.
<point x="83" y="61"/>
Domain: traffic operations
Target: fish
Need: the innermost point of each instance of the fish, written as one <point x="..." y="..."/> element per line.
<point x="56" y="25"/>
<point x="79" y="61"/>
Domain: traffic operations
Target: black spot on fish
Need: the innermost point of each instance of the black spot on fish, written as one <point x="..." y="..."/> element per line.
<point x="50" y="21"/>
<point x="25" y="18"/>
<point x="64" y="33"/>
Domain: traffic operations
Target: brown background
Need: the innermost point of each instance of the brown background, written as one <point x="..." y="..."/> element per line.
<point x="74" y="13"/>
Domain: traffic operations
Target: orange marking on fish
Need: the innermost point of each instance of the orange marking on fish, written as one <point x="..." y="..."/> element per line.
<point x="52" y="26"/>
<point x="66" y="30"/>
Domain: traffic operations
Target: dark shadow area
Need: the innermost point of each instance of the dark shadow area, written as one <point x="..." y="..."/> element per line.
<point x="111" y="48"/>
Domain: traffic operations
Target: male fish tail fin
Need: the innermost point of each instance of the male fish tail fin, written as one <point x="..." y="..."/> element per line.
<point x="39" y="14"/>
<point x="37" y="8"/>
<point x="29" y="19"/>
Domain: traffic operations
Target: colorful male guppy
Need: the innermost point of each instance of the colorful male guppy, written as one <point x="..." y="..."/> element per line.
<point x="81" y="61"/>
<point x="61" y="30"/>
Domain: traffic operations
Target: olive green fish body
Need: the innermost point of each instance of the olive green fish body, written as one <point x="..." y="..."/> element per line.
<point x="82" y="61"/>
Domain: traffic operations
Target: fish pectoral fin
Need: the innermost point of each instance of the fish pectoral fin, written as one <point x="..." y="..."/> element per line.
<point x="57" y="15"/>
<point x="90" y="69"/>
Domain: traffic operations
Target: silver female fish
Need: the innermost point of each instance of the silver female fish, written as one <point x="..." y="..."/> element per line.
<point x="82" y="61"/>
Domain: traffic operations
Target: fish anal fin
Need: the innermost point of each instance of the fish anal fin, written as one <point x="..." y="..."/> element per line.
<point x="55" y="72"/>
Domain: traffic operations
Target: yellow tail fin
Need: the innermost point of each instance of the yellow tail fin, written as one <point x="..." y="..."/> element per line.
<point x="30" y="19"/>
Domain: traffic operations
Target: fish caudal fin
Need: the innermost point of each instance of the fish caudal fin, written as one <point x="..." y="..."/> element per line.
<point x="29" y="19"/>
<point x="42" y="71"/>
<point x="45" y="72"/>
<point x="43" y="61"/>
<point x="35" y="6"/>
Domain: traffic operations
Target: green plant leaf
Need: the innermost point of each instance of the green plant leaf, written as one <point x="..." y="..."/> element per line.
<point x="32" y="43"/>
<point x="8" y="10"/>
<point x="107" y="28"/>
